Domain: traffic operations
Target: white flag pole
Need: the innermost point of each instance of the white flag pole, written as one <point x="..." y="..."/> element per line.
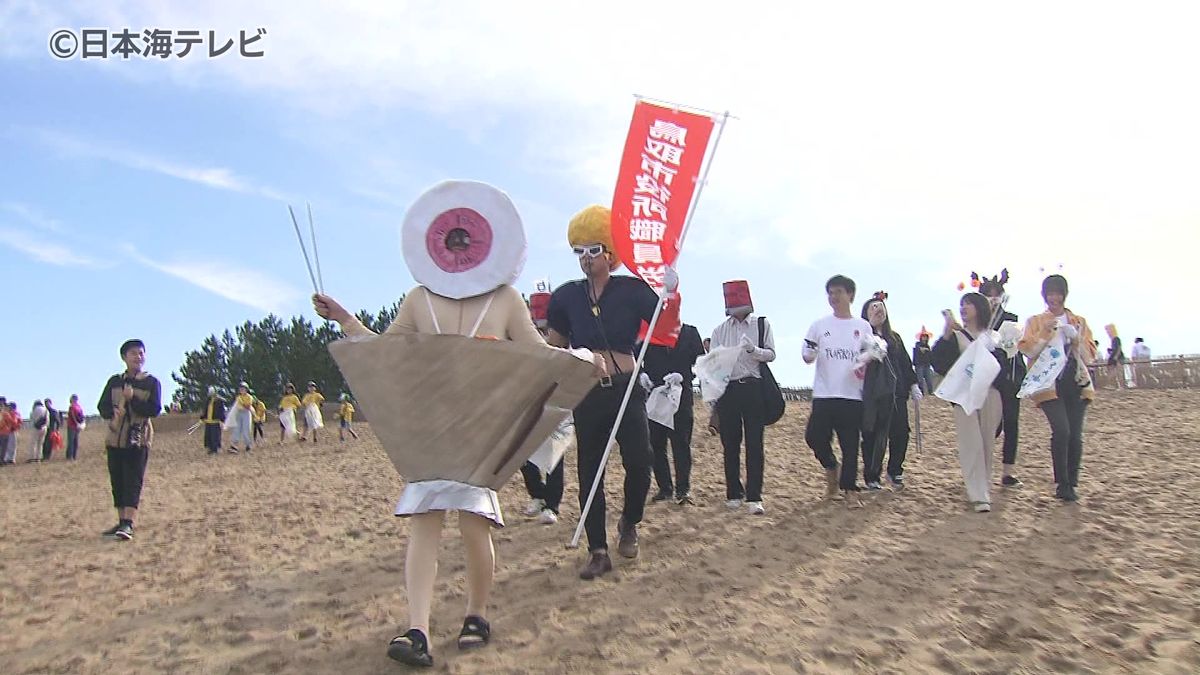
<point x="637" y="366"/>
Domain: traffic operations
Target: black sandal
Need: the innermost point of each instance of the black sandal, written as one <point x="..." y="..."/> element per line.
<point x="412" y="649"/>
<point x="476" y="632"/>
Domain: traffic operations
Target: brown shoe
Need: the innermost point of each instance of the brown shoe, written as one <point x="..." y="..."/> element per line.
<point x="627" y="542"/>
<point x="831" y="482"/>
<point x="597" y="565"/>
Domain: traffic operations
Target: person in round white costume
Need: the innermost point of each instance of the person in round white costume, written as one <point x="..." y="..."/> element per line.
<point x="465" y="246"/>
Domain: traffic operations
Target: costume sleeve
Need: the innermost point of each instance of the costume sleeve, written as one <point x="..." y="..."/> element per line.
<point x="105" y="406"/>
<point x="1088" y="351"/>
<point x="695" y="346"/>
<point x="1035" y="336"/>
<point x="518" y="322"/>
<point x="151" y="406"/>
<point x="945" y="353"/>
<point x="646" y="299"/>
<point x="906" y="374"/>
<point x="556" y="312"/>
<point x="766" y="353"/>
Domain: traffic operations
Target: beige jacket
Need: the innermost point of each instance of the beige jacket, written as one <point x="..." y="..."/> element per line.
<point x="1038" y="330"/>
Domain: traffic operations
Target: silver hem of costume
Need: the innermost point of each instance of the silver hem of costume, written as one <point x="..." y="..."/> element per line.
<point x="448" y="495"/>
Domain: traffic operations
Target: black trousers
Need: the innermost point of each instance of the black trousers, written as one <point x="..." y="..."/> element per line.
<point x="594" y="420"/>
<point x="47" y="445"/>
<point x="258" y="430"/>
<point x="126" y="470"/>
<point x="681" y="448"/>
<point x="1009" y="425"/>
<point x="844" y="417"/>
<point x="874" y="444"/>
<point x="898" y="434"/>
<point x="212" y="436"/>
<point x="1066" y="415"/>
<point x="550" y="490"/>
<point x="740" y="410"/>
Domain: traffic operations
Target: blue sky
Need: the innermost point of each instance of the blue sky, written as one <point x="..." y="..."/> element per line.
<point x="905" y="147"/>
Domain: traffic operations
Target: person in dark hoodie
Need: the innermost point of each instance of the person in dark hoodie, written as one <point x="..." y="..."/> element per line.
<point x="213" y="419"/>
<point x="53" y="423"/>
<point x="1014" y="374"/>
<point x="659" y="363"/>
<point x="887" y="386"/>
<point x="921" y="361"/>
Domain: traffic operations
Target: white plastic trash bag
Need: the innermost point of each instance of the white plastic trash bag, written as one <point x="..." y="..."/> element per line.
<point x="312" y="416"/>
<point x="288" y="419"/>
<point x="1046" y="368"/>
<point x="551" y="452"/>
<point x="713" y="370"/>
<point x="663" y="403"/>
<point x="1007" y="338"/>
<point x="971" y="376"/>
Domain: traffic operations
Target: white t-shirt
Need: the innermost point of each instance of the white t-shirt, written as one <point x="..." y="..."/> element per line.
<point x="839" y="342"/>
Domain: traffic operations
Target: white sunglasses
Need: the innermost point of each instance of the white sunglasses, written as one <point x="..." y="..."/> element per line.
<point x="593" y="251"/>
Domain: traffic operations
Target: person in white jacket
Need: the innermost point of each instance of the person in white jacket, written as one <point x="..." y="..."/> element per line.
<point x="39" y="423"/>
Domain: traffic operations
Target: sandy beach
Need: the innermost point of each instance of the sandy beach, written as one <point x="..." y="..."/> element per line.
<point x="289" y="560"/>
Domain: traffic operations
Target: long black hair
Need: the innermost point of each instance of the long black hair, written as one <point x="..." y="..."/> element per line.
<point x="884" y="331"/>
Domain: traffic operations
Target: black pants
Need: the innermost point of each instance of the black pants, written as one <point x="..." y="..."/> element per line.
<point x="47" y="446"/>
<point x="898" y="433"/>
<point x="212" y="436"/>
<point x="843" y="416"/>
<point x="681" y="448"/>
<point x="126" y="469"/>
<point x="1066" y="415"/>
<point x="258" y="430"/>
<point x="594" y="419"/>
<point x="1010" y="423"/>
<point x="874" y="444"/>
<point x="740" y="409"/>
<point x="550" y="491"/>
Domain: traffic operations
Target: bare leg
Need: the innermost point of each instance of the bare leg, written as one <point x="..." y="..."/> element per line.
<point x="420" y="567"/>
<point x="481" y="561"/>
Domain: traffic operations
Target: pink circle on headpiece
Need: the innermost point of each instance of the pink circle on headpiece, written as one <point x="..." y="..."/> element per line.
<point x="459" y="240"/>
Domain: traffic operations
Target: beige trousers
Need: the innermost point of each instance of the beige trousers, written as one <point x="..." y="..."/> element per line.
<point x="976" y="439"/>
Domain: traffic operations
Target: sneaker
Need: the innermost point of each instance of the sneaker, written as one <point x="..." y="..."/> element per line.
<point x="598" y="564"/>
<point x="756" y="508"/>
<point x="733" y="504"/>
<point x="684" y="499"/>
<point x="548" y="517"/>
<point x="1011" y="481"/>
<point x="125" y="532"/>
<point x="896" y="481"/>
<point x="534" y="507"/>
<point x="874" y="486"/>
<point x="982" y="507"/>
<point x="112" y="531"/>
<point x="661" y="496"/>
<point x="233" y="450"/>
<point x="627" y="539"/>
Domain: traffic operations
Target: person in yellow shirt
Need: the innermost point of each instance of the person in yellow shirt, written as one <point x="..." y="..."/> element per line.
<point x="260" y="416"/>
<point x="346" y="418"/>
<point x="213" y="418"/>
<point x="287" y="412"/>
<point x="312" y="412"/>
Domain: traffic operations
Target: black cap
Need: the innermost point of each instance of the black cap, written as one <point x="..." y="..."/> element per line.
<point x="130" y="344"/>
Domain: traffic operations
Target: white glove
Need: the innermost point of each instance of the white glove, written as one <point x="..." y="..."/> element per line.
<point x="670" y="279"/>
<point x="644" y="380"/>
<point x="747" y="345"/>
<point x="916" y="393"/>
<point x="673" y="379"/>
<point x="1068" y="332"/>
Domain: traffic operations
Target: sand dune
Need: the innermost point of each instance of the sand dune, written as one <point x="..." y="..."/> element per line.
<point x="288" y="560"/>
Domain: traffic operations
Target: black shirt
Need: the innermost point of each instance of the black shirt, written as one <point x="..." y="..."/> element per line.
<point x="625" y="303"/>
<point x="680" y="359"/>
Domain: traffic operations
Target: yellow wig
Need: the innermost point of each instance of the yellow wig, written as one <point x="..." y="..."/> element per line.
<point x="593" y="225"/>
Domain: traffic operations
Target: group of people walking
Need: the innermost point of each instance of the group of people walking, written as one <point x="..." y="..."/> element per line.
<point x="245" y="416"/>
<point x="46" y="426"/>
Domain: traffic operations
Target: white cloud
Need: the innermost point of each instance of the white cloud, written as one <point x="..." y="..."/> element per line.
<point x="41" y="249"/>
<point x="219" y="178"/>
<point x="33" y="217"/>
<point x="245" y="286"/>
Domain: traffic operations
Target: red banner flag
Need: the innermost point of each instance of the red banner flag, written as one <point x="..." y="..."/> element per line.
<point x="659" y="171"/>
